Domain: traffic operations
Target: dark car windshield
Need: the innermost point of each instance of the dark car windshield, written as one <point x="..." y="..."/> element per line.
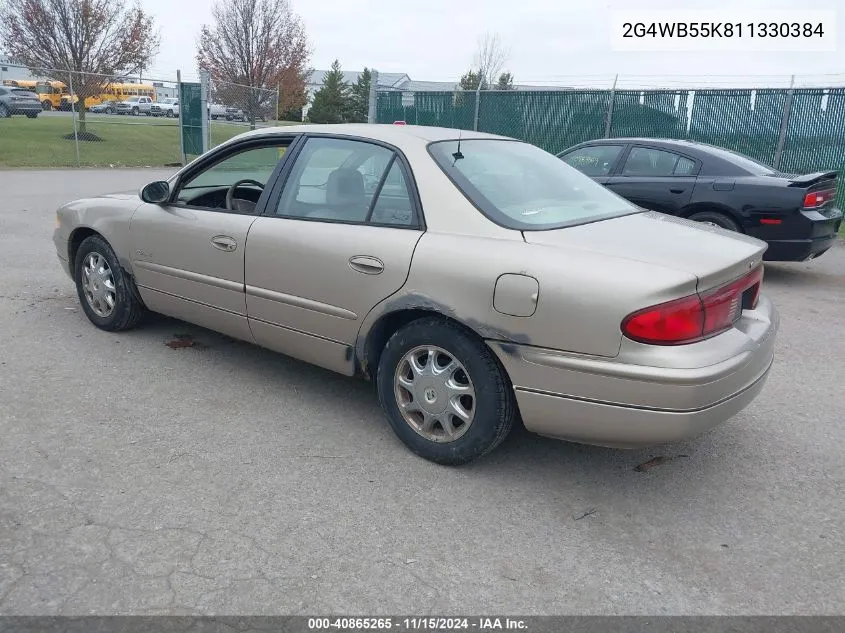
<point x="520" y="186"/>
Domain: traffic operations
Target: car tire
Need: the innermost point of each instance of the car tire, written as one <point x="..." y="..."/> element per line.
<point x="135" y="111"/>
<point x="4" y="111"/>
<point x="32" y="115"/>
<point x="170" y="114"/>
<point x="46" y="105"/>
<point x="109" y="110"/>
<point x="478" y="383"/>
<point x="716" y="218"/>
<point x="127" y="309"/>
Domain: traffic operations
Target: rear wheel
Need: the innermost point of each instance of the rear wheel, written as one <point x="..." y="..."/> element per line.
<point x="106" y="292"/>
<point x="443" y="392"/>
<point x="714" y="218"/>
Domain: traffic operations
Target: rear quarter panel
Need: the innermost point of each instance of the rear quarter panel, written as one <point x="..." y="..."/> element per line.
<point x="743" y="198"/>
<point x="583" y="296"/>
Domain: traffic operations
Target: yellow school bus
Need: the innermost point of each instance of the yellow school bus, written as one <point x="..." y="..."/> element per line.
<point x="111" y="92"/>
<point x="49" y="92"/>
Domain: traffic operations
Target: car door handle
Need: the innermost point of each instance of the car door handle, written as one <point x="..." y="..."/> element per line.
<point x="366" y="264"/>
<point x="676" y="190"/>
<point x="224" y="243"/>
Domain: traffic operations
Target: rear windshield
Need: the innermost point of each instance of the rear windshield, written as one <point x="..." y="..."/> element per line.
<point x="745" y="163"/>
<point x="520" y="186"/>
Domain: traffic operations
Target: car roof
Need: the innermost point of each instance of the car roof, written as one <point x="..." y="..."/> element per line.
<point x="398" y="135"/>
<point x="667" y="143"/>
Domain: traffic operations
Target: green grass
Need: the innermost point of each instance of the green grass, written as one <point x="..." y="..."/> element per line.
<point x="127" y="142"/>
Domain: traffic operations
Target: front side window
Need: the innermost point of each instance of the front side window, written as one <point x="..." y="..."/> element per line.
<point x="520" y="186"/>
<point x="254" y="165"/>
<point x="347" y="181"/>
<point x="596" y="160"/>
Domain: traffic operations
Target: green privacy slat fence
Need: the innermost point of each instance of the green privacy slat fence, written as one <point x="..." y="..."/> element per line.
<point x="747" y="121"/>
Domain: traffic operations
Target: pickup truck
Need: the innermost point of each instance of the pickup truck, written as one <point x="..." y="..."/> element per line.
<point x="135" y="106"/>
<point x="168" y="107"/>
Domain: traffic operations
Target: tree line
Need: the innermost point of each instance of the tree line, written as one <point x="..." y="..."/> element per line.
<point x="253" y="51"/>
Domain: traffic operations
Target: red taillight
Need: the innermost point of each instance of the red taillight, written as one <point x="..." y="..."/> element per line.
<point x="696" y="317"/>
<point x="770" y="221"/>
<point x="817" y="199"/>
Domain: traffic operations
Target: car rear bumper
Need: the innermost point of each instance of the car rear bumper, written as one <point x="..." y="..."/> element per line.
<point x="799" y="237"/>
<point x="798" y="250"/>
<point x="25" y="108"/>
<point x="685" y="391"/>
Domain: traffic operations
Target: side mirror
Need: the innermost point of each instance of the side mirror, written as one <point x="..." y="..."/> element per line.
<point x="156" y="192"/>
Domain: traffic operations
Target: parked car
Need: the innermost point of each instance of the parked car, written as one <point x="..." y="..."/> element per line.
<point x="795" y="214"/>
<point x="234" y="114"/>
<point x="18" y="101"/>
<point x="106" y="107"/>
<point x="218" y="111"/>
<point x="168" y="107"/>
<point x="485" y="279"/>
<point x="135" y="106"/>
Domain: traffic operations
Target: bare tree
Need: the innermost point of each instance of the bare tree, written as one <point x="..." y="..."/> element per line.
<point x="259" y="44"/>
<point x="490" y="57"/>
<point x="83" y="43"/>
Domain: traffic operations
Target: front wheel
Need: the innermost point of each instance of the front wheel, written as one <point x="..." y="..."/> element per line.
<point x="4" y="112"/>
<point x="46" y="105"/>
<point x="107" y="294"/>
<point x="135" y="111"/>
<point x="170" y="114"/>
<point x="443" y="392"/>
<point x="714" y="218"/>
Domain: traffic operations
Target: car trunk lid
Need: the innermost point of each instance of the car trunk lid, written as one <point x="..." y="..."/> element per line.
<point x="713" y="255"/>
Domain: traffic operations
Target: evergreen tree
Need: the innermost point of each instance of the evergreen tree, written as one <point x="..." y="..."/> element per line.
<point x="331" y="101"/>
<point x="360" y="97"/>
<point x="470" y="81"/>
<point x="505" y="82"/>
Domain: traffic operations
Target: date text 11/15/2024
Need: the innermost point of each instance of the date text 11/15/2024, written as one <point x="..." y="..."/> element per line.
<point x="416" y="624"/>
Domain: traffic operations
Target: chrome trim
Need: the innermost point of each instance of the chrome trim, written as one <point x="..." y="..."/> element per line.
<point x="179" y="273"/>
<point x="301" y="302"/>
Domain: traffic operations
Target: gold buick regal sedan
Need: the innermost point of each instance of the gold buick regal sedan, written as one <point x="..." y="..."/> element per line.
<point x="475" y="279"/>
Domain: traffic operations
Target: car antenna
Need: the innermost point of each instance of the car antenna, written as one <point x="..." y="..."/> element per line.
<point x="457" y="155"/>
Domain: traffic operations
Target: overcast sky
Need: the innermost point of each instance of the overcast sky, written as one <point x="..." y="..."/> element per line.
<point x="564" y="42"/>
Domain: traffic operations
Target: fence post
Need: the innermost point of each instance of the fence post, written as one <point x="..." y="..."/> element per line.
<point x="373" y="98"/>
<point x="278" y="101"/>
<point x="609" y="118"/>
<point x="204" y="92"/>
<point x="181" y="111"/>
<point x="477" y="104"/>
<point x="73" y="116"/>
<point x="784" y="123"/>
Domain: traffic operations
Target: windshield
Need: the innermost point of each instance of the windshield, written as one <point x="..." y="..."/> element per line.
<point x="133" y="98"/>
<point x="520" y="186"/>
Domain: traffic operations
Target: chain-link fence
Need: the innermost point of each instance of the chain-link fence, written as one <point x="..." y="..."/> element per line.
<point x="58" y="118"/>
<point x="794" y="130"/>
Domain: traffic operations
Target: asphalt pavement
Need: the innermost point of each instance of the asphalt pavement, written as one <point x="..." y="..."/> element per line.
<point x="219" y="478"/>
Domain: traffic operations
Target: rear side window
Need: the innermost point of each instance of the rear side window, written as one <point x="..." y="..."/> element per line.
<point x="647" y="161"/>
<point x="685" y="167"/>
<point x="596" y="160"/>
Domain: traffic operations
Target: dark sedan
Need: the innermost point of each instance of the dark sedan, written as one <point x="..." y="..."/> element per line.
<point x="795" y="214"/>
<point x="18" y="101"/>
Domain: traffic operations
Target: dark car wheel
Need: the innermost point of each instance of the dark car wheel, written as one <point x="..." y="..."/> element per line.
<point x="443" y="392"/>
<point x="4" y="111"/>
<point x="135" y="111"/>
<point x="107" y="293"/>
<point x="714" y="218"/>
<point x="32" y="115"/>
<point x="109" y="110"/>
<point x="46" y="106"/>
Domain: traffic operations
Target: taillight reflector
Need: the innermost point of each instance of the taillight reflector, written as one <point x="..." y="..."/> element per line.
<point x="696" y="317"/>
<point x="770" y="221"/>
